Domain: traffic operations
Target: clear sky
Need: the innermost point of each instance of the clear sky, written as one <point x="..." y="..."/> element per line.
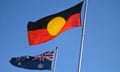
<point x="102" y="36"/>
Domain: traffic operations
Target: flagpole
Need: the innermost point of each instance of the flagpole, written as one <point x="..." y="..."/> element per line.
<point x="82" y="36"/>
<point x="54" y="63"/>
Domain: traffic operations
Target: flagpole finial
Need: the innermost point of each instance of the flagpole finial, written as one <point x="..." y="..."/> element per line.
<point x="56" y="47"/>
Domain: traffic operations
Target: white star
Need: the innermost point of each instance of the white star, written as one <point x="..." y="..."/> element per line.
<point x="27" y="57"/>
<point x="19" y="63"/>
<point x="40" y="65"/>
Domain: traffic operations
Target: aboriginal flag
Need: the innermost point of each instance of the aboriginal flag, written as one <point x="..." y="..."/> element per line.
<point x="51" y="26"/>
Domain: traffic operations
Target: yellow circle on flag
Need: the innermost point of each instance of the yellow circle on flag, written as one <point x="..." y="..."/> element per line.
<point x="55" y="25"/>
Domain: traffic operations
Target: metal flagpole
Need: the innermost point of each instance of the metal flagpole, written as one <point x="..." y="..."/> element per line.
<point x="82" y="36"/>
<point x="54" y="63"/>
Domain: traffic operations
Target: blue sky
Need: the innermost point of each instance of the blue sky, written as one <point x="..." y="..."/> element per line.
<point x="102" y="37"/>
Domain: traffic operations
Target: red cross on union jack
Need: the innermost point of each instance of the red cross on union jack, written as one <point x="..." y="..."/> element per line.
<point x="47" y="55"/>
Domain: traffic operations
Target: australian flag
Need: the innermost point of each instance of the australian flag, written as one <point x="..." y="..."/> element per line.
<point x="39" y="62"/>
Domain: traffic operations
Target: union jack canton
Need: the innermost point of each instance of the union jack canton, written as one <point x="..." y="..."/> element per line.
<point x="47" y="55"/>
